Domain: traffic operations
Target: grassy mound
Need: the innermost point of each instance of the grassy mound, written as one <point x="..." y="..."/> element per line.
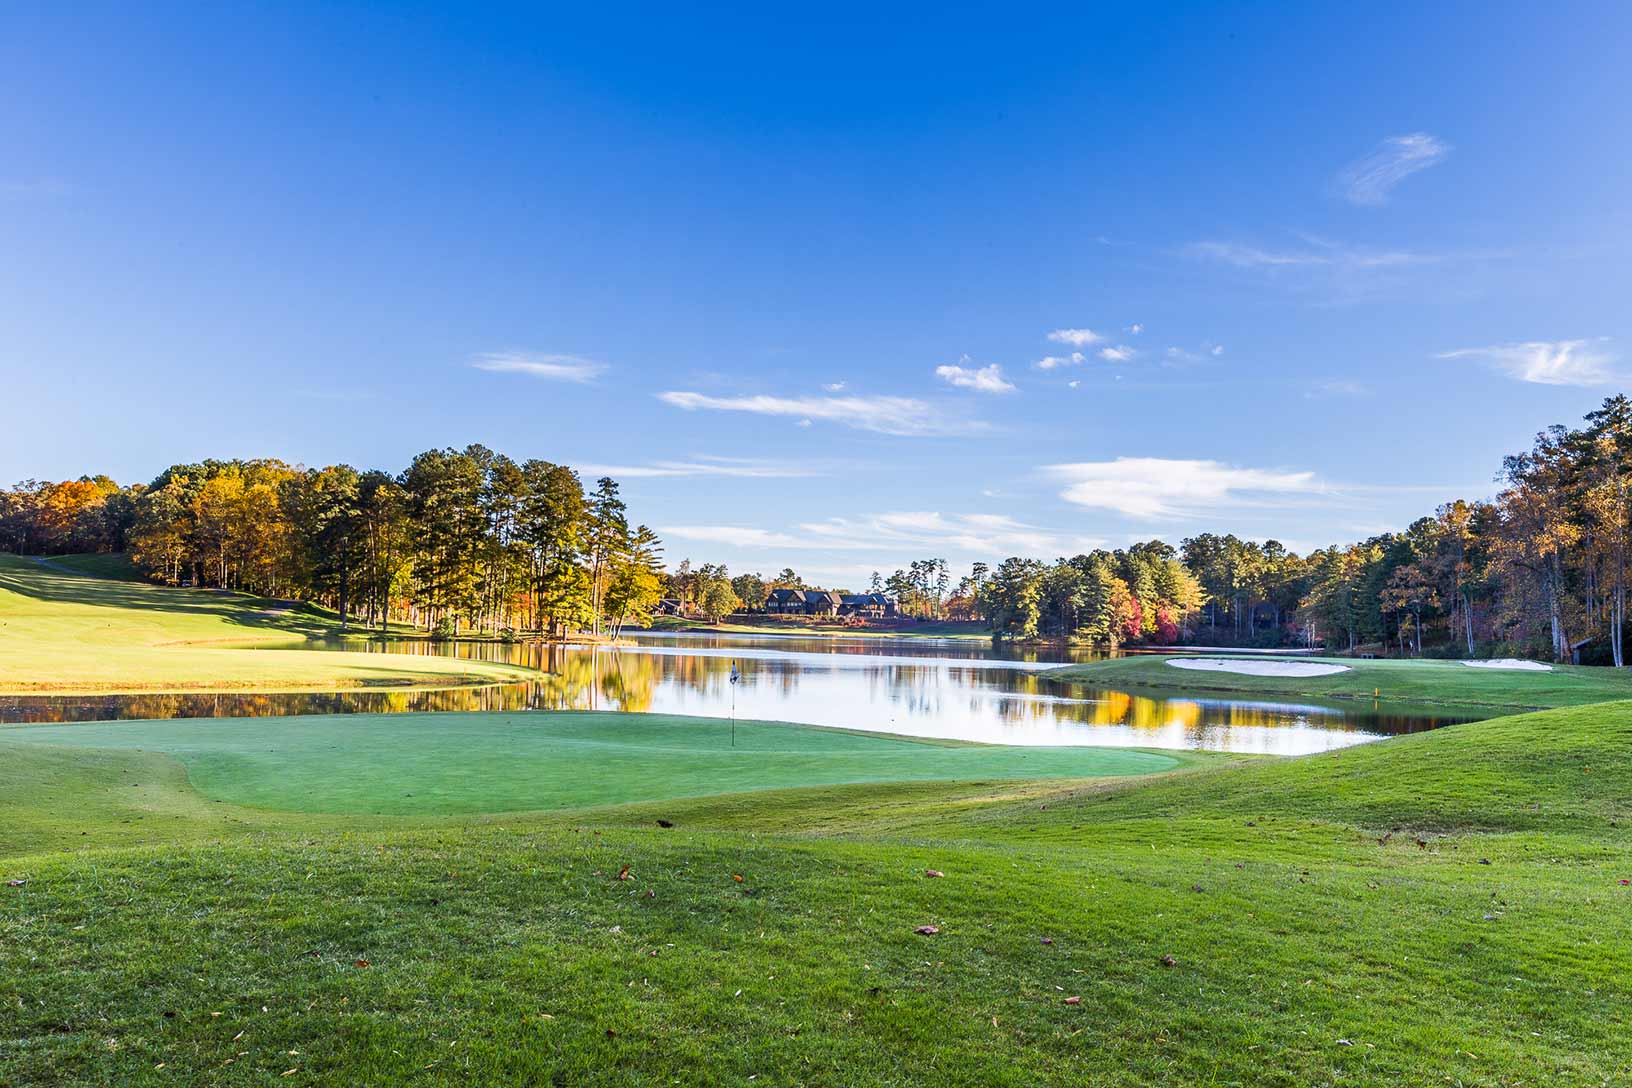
<point x="410" y="764"/>
<point x="1420" y="682"/>
<point x="85" y="624"/>
<point x="771" y="935"/>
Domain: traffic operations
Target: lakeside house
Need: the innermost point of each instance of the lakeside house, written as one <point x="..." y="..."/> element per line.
<point x="822" y="602"/>
<point x="874" y="606"/>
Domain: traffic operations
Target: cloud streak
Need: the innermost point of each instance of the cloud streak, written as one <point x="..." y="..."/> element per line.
<point x="1158" y="488"/>
<point x="904" y="416"/>
<point x="983" y="535"/>
<point x="557" y="368"/>
<point x="1368" y="181"/>
<point x="734" y="467"/>
<point x="1548" y="362"/>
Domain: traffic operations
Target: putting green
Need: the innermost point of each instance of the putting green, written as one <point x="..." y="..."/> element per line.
<point x="429" y="764"/>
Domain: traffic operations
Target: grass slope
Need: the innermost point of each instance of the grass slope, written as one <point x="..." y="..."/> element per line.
<point x="251" y="947"/>
<point x="1421" y="682"/>
<point x="408" y="764"/>
<point x="85" y="624"/>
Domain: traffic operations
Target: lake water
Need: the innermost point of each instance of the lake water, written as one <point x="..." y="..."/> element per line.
<point x="949" y="689"/>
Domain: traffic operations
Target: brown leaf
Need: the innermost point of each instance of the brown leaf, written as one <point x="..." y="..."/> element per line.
<point x="665" y="823"/>
<point x="1073" y="1000"/>
<point x="927" y="931"/>
<point x="361" y="963"/>
<point x="1168" y="961"/>
<point x="933" y="872"/>
<point x="623" y="873"/>
<point x="737" y="877"/>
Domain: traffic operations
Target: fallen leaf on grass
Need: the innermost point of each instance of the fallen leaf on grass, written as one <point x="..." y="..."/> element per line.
<point x="927" y="931"/>
<point x="933" y="872"/>
<point x="1624" y="883"/>
<point x="1048" y="940"/>
<point x="1168" y="961"/>
<point x="361" y="963"/>
<point x="623" y="873"/>
<point x="1073" y="1000"/>
<point x="15" y="883"/>
<point x="665" y="823"/>
<point x="737" y="877"/>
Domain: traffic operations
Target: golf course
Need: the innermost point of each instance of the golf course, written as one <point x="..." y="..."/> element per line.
<point x="89" y="623"/>
<point x="587" y="898"/>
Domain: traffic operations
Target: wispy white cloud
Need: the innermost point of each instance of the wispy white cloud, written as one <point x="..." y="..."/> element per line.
<point x="1156" y="488"/>
<point x="1135" y="329"/>
<point x="985" y="379"/>
<point x="906" y="416"/>
<point x="1215" y="349"/>
<point x="893" y="534"/>
<point x="1077" y="338"/>
<point x="1315" y="253"/>
<point x="835" y="387"/>
<point x="1337" y="387"/>
<point x="704" y="465"/>
<point x="973" y="534"/>
<point x="1368" y="181"/>
<point x="1347" y="272"/>
<point x="560" y="368"/>
<point x="1052" y="362"/>
<point x="736" y="536"/>
<point x="1119" y="354"/>
<point x="1549" y="362"/>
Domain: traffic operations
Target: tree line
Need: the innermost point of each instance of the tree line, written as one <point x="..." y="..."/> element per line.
<point x="459" y="540"/>
<point x="470" y="538"/>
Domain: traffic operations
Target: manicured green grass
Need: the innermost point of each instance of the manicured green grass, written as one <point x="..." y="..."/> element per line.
<point x="503" y="762"/>
<point x="507" y="950"/>
<point x="83" y="624"/>
<point x="1418" y="682"/>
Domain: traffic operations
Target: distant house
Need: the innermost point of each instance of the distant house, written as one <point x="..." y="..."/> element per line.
<point x="670" y="606"/>
<point x="785" y="602"/>
<point x="803" y="602"/>
<point x="874" y="606"/>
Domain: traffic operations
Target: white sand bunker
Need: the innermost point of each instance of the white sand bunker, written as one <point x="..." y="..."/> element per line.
<point x="1509" y="663"/>
<point x="1257" y="668"/>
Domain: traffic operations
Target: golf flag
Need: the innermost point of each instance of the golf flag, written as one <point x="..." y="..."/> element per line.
<point x="734" y="676"/>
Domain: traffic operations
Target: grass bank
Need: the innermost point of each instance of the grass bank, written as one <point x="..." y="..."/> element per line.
<point x="1439" y="908"/>
<point x="1416" y="682"/>
<point x="77" y="624"/>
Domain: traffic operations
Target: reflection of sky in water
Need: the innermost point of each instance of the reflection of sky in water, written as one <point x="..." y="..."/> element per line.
<point x="945" y="690"/>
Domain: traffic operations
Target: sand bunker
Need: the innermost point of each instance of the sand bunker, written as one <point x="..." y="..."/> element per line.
<point x="1509" y="663"/>
<point x="1257" y="668"/>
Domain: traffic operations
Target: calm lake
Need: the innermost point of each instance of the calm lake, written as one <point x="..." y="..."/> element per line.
<point x="947" y="689"/>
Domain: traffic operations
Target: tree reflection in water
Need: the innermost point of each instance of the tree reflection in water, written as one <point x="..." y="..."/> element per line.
<point x="961" y="691"/>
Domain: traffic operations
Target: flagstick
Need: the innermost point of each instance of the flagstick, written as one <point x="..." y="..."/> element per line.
<point x="733" y="704"/>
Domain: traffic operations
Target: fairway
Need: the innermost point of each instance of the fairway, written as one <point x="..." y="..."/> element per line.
<point x="1440" y="908"/>
<point x="87" y="624"/>
<point x="1418" y="681"/>
<point x="439" y="764"/>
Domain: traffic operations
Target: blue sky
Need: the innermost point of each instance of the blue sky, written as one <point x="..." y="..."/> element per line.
<point x="1298" y="273"/>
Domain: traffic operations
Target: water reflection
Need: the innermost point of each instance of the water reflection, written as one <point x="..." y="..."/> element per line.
<point x="951" y="690"/>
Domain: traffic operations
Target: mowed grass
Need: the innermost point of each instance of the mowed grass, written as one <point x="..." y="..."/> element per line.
<point x="409" y="764"/>
<point x="1442" y="908"/>
<point x="86" y="624"/>
<point x="1418" y="682"/>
